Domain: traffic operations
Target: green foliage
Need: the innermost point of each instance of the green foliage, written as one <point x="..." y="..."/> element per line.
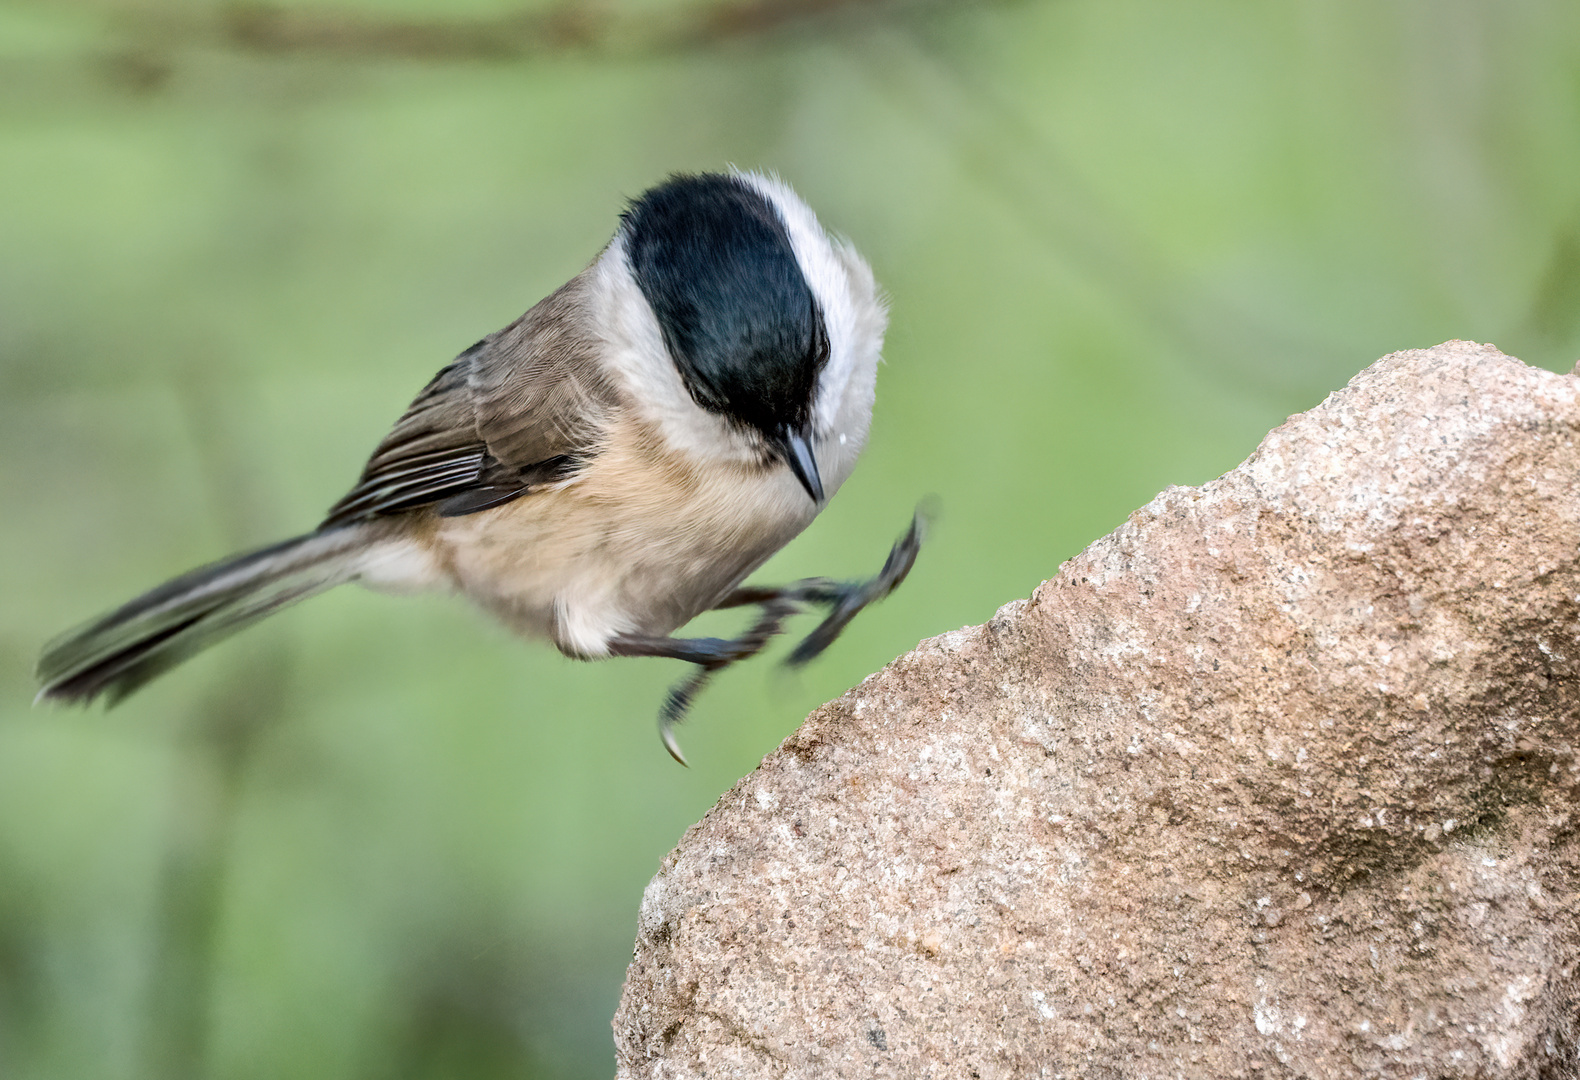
<point x="378" y="836"/>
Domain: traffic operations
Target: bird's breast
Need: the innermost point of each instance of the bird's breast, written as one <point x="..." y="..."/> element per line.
<point x="638" y="542"/>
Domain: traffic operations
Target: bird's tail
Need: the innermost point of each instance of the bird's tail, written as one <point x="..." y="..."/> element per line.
<point x="119" y="652"/>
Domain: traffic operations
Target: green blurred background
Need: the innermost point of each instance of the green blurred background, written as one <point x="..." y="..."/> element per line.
<point x="379" y="837"/>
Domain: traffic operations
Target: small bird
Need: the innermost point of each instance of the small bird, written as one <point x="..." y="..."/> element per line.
<point x="602" y="470"/>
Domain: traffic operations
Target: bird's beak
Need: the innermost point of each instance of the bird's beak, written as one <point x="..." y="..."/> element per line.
<point x="797" y="450"/>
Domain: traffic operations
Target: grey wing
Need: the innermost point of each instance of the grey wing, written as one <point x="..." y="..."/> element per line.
<point x="520" y="409"/>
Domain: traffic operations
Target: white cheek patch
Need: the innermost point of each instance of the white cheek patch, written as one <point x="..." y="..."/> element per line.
<point x="637" y="354"/>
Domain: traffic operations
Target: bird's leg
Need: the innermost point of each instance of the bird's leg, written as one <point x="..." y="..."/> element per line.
<point x="747" y="595"/>
<point x="844" y="599"/>
<point x="711" y="655"/>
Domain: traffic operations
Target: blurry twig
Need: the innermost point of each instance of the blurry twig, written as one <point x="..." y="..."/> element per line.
<point x="1552" y="322"/>
<point x="582" y="26"/>
<point x="222" y="738"/>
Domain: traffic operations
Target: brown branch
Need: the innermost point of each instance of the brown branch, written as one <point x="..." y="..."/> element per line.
<point x="584" y="26"/>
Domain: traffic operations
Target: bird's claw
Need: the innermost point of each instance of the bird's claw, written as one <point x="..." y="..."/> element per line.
<point x="844" y="599"/>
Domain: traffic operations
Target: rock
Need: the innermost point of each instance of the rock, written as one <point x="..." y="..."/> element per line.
<point x="1278" y="779"/>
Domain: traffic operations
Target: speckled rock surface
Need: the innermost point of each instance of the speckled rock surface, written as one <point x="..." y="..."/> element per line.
<point x="1278" y="779"/>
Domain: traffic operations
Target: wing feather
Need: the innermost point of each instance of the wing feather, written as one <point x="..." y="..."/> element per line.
<point x="522" y="408"/>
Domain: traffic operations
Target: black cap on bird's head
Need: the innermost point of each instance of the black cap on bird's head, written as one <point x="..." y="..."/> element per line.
<point x="715" y="262"/>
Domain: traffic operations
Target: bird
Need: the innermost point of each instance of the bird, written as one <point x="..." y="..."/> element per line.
<point x="610" y="465"/>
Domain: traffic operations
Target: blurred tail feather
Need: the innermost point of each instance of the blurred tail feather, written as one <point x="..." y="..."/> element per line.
<point x="119" y="652"/>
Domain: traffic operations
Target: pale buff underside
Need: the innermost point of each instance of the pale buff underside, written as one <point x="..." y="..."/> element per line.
<point x="623" y="548"/>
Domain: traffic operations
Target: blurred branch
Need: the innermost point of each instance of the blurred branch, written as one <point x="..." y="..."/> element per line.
<point x="581" y="26"/>
<point x="1553" y="320"/>
<point x="223" y="736"/>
